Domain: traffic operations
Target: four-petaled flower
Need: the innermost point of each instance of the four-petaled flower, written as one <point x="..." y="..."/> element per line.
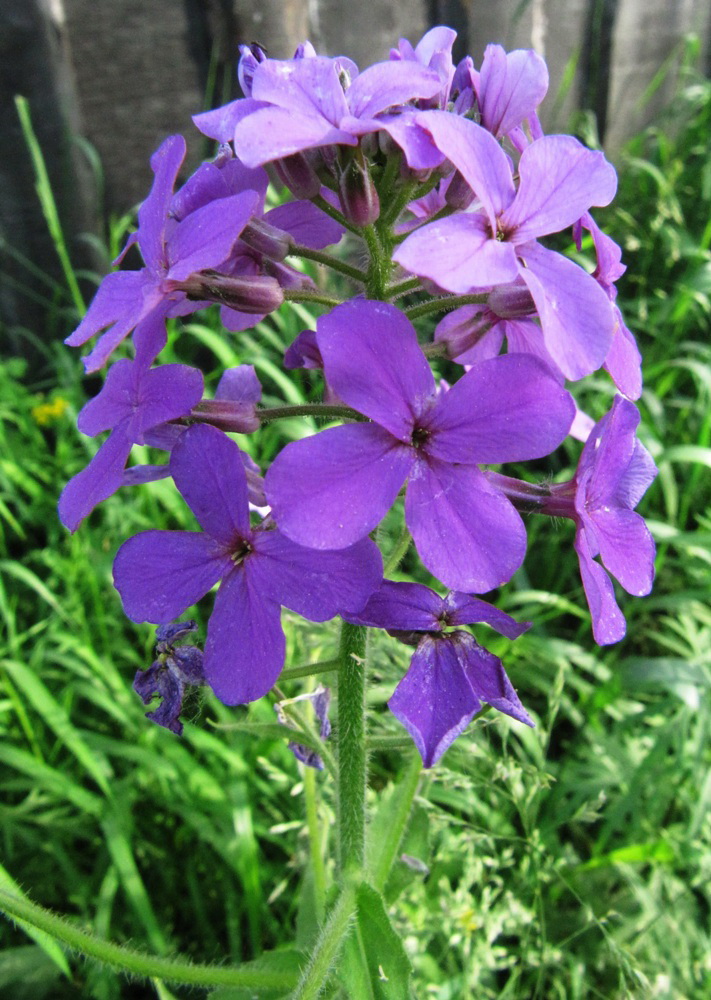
<point x="160" y="574"/>
<point x="450" y="674"/>
<point x="330" y="490"/>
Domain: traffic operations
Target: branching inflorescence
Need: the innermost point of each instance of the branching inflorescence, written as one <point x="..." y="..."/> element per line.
<point x="443" y="175"/>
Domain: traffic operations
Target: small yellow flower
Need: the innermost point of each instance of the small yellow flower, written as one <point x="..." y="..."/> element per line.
<point x="47" y="413"/>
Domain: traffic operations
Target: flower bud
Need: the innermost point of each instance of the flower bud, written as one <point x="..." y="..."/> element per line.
<point x="297" y="173"/>
<point x="511" y="301"/>
<point x="250" y="57"/>
<point x="356" y="190"/>
<point x="266" y="239"/>
<point x="255" y="294"/>
<point x="459" y="194"/>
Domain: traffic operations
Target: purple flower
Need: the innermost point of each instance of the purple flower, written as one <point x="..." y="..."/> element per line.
<point x="172" y="252"/>
<point x="509" y="88"/>
<point x="133" y="400"/>
<point x="477" y="332"/>
<point x="329" y="490"/>
<point x="559" y="180"/>
<point x="174" y="669"/>
<point x="450" y="674"/>
<point x="613" y="474"/>
<point x="161" y="573"/>
<point x="320" y="700"/>
<point x="301" y="104"/>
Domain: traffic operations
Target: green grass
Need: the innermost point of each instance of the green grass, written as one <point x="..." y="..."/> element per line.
<point x="571" y="861"/>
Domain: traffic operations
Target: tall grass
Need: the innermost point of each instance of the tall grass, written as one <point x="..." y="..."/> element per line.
<point x="571" y="861"/>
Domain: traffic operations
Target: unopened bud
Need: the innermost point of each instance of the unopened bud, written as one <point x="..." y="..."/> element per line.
<point x="266" y="239"/>
<point x="356" y="190"/>
<point x="297" y="173"/>
<point x="256" y="294"/>
<point x="511" y="301"/>
<point x="250" y="57"/>
<point x="459" y="194"/>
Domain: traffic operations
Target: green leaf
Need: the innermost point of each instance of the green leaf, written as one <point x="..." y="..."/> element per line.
<point x="375" y="964"/>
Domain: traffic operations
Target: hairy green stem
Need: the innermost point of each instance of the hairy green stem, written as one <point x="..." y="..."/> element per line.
<point x="396" y="556"/>
<point x="308" y="410"/>
<point x="445" y="304"/>
<point x="352" y="756"/>
<point x="329" y="261"/>
<point x="403" y="287"/>
<point x="380" y="264"/>
<point x="306" y="295"/>
<point x="328" y="946"/>
<point x="135" y="963"/>
<point x="308" y="669"/>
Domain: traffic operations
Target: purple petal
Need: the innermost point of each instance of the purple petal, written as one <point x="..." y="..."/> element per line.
<point x="459" y="254"/>
<point x="434" y="700"/>
<point x="608" y="452"/>
<point x="402" y="606"/>
<point x="507" y="409"/>
<point x="304" y="86"/>
<point x="559" y="180"/>
<point x="386" y="84"/>
<point x="640" y="472"/>
<point x="303" y="352"/>
<point x="308" y="225"/>
<point x="330" y="490"/>
<point x="317" y="585"/>
<point x="417" y="145"/>
<point x="608" y="622"/>
<point x="479" y="158"/>
<point x="272" y="133"/>
<point x="485" y="672"/>
<point x="204" y="239"/>
<point x="239" y="385"/>
<point x="153" y="213"/>
<point x="211" y="182"/>
<point x="208" y="471"/>
<point x="159" y="680"/>
<point x="623" y="361"/>
<point x="373" y="363"/>
<point x="236" y="321"/>
<point x="118" y="300"/>
<point x="463" y="609"/>
<point x="626" y="548"/>
<point x="244" y="649"/>
<point x="150" y="337"/>
<point x="220" y="123"/>
<point x="165" y="393"/>
<point x="114" y="402"/>
<point x="510" y="88"/>
<point x="99" y="480"/>
<point x="142" y="310"/>
<point x="138" y="475"/>
<point x="466" y="532"/>
<point x="161" y="573"/>
<point x="576" y="315"/>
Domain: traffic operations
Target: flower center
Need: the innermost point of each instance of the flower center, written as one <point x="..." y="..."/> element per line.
<point x="240" y="552"/>
<point x="420" y="437"/>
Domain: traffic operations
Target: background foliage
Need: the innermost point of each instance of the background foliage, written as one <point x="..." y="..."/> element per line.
<point x="570" y="861"/>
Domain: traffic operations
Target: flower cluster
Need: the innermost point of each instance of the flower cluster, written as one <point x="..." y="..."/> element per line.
<point x="443" y="176"/>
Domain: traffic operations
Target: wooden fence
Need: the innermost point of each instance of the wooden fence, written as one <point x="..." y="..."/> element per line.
<point x="123" y="74"/>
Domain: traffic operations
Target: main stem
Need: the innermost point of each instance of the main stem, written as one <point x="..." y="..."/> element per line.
<point x="352" y="756"/>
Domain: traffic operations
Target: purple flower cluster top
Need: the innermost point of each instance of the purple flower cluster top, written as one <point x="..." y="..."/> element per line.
<point x="439" y="177"/>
